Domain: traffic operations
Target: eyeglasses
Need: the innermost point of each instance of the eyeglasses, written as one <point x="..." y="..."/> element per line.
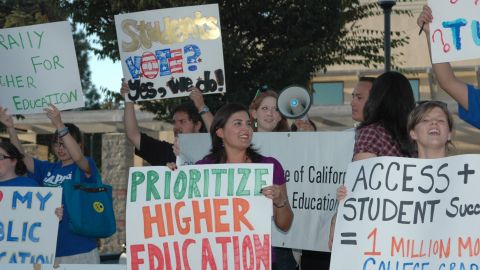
<point x="431" y="102"/>
<point x="2" y="157"/>
<point x="58" y="144"/>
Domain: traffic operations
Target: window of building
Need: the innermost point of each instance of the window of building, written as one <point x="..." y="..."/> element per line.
<point x="415" y="88"/>
<point x="327" y="93"/>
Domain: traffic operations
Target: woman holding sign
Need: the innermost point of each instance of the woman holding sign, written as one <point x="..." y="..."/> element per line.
<point x="430" y="126"/>
<point x="71" y="248"/>
<point x="231" y="133"/>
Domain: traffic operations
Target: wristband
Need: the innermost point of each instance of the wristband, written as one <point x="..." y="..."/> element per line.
<point x="281" y="205"/>
<point x="204" y="110"/>
<point x="62" y="132"/>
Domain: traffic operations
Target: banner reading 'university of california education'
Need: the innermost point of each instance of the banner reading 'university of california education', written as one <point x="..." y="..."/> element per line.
<point x="315" y="164"/>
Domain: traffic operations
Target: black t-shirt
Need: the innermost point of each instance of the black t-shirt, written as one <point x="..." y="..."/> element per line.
<point x="155" y="152"/>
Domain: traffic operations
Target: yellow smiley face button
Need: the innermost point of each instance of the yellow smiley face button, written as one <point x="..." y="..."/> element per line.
<point x="98" y="206"/>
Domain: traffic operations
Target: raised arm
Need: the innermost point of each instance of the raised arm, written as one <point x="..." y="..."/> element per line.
<point x="197" y="97"/>
<point x="69" y="142"/>
<point x="130" y="119"/>
<point x="7" y="120"/>
<point x="456" y="88"/>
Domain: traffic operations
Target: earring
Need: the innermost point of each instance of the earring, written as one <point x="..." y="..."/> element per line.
<point x="255" y="123"/>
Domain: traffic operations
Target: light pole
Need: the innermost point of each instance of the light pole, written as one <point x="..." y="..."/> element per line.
<point x="387" y="9"/>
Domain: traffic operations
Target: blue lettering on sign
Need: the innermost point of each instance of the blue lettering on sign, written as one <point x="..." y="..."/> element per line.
<point x="43" y="199"/>
<point x="455" y="26"/>
<point x="27" y="232"/>
<point x="22" y="198"/>
<point x="476" y="32"/>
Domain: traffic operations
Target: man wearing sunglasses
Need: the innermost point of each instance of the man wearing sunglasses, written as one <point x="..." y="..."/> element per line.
<point x="467" y="96"/>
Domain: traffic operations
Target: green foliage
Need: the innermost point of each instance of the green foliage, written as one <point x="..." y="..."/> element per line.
<point x="269" y="42"/>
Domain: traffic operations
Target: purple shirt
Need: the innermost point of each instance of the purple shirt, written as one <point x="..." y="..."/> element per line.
<point x="278" y="174"/>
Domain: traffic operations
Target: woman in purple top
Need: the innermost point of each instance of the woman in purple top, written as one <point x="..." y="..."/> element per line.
<point x="231" y="134"/>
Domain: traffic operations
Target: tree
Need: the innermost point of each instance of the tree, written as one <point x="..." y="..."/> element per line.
<point x="82" y="49"/>
<point x="270" y="42"/>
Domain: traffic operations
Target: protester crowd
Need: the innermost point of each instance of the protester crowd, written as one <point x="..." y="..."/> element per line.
<point x="391" y="123"/>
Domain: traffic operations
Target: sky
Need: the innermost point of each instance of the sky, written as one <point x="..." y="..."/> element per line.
<point x="105" y="73"/>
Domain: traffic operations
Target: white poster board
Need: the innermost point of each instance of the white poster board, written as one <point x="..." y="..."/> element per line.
<point x="67" y="267"/>
<point x="455" y="30"/>
<point x="28" y="224"/>
<point x="315" y="164"/>
<point x="199" y="217"/>
<point x="165" y="52"/>
<point x="39" y="67"/>
<point x="406" y="213"/>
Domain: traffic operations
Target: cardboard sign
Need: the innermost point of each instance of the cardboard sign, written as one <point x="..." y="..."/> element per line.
<point x="67" y="267"/>
<point x="314" y="169"/>
<point x="403" y="213"/>
<point x="167" y="51"/>
<point x="455" y="30"/>
<point x="199" y="217"/>
<point x="39" y="67"/>
<point x="28" y="224"/>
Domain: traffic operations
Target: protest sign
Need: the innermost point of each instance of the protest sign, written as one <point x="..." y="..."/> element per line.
<point x="455" y="30"/>
<point x="403" y="213"/>
<point x="199" y="217"/>
<point x="39" y="67"/>
<point x="315" y="164"/>
<point x="67" y="267"/>
<point x="165" y="52"/>
<point x="28" y="224"/>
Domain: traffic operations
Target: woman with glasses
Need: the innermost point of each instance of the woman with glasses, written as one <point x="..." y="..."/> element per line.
<point x="430" y="126"/>
<point x="12" y="167"/>
<point x="67" y="147"/>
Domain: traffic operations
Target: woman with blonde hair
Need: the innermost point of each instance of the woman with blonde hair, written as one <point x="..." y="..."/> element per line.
<point x="264" y="113"/>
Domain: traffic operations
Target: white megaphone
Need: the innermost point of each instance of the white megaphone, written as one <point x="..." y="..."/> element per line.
<point x="294" y="102"/>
